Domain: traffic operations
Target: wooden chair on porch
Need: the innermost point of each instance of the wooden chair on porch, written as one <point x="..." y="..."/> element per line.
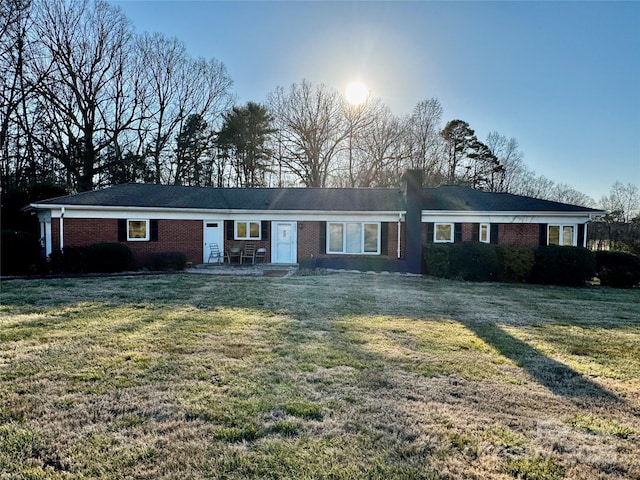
<point x="249" y="252"/>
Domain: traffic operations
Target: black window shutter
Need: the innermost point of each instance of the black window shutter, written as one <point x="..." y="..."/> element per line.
<point x="457" y="233"/>
<point x="384" y="238"/>
<point x="154" y="230"/>
<point x="475" y="232"/>
<point x="122" y="230"/>
<point x="543" y="234"/>
<point x="323" y="237"/>
<point x="580" y="239"/>
<point x="430" y="227"/>
<point x="264" y="227"/>
<point x="494" y="233"/>
<point x="229" y="224"/>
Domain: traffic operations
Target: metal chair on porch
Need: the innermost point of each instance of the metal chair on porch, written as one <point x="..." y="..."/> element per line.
<point x="261" y="255"/>
<point x="234" y="252"/>
<point x="215" y="255"/>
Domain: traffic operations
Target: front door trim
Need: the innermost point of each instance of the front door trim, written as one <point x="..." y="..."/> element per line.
<point x="293" y="253"/>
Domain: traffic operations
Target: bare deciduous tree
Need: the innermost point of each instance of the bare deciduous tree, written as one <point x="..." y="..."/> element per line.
<point x="623" y="202"/>
<point x="509" y="157"/>
<point x="378" y="158"/>
<point x="83" y="60"/>
<point x="312" y="128"/>
<point x="423" y="142"/>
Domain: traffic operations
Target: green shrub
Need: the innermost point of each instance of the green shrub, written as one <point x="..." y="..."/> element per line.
<point x="556" y="265"/>
<point x="516" y="262"/>
<point x="20" y="253"/>
<point x="435" y="258"/>
<point x="109" y="258"/>
<point x="166" y="261"/>
<point x="474" y="261"/>
<point x="618" y="269"/>
<point x="96" y="258"/>
<point x="72" y="261"/>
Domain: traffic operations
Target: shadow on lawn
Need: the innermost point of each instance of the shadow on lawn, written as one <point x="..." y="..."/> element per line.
<point x="557" y="377"/>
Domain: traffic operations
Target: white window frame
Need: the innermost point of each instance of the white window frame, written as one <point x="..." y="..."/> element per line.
<point x="561" y="227"/>
<point x="362" y="238"/>
<point x="248" y="236"/>
<point x="147" y="230"/>
<point x="488" y="239"/>
<point x="451" y="239"/>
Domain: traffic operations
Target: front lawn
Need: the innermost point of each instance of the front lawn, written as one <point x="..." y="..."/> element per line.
<point x="341" y="376"/>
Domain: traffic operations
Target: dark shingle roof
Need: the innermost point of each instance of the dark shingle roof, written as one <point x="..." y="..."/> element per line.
<point x="170" y="196"/>
<point x="445" y="198"/>
<point x="459" y="198"/>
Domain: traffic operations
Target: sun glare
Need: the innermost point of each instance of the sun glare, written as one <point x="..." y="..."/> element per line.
<point x="356" y="93"/>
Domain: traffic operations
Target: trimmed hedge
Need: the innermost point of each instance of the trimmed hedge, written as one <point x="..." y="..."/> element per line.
<point x="435" y="259"/>
<point x="109" y="258"/>
<point x="72" y="261"/>
<point x="20" y="253"/>
<point x="166" y="261"/>
<point x="474" y="261"/>
<point x="516" y="262"/>
<point x="618" y="269"/>
<point x="571" y="266"/>
<point x="96" y="258"/>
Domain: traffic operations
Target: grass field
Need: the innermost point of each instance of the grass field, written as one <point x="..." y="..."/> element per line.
<point x="339" y="376"/>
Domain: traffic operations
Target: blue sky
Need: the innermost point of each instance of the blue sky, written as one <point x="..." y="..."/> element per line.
<point x="561" y="77"/>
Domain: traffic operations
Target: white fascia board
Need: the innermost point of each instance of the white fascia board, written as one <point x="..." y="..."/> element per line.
<point x="507" y="217"/>
<point x="90" y="211"/>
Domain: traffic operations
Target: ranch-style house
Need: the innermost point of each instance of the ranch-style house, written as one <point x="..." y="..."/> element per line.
<point x="356" y="228"/>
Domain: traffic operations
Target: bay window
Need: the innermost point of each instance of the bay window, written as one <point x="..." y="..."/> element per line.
<point x="354" y="238"/>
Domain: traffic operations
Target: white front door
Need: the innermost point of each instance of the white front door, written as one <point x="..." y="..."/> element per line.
<point x="284" y="243"/>
<point x="212" y="235"/>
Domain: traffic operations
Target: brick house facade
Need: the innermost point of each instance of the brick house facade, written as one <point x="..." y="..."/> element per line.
<point x="344" y="228"/>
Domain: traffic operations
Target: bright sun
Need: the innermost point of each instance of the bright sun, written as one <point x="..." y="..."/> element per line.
<point x="356" y="93"/>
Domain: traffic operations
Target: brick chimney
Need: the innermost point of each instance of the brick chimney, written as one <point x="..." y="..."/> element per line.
<point x="413" y="219"/>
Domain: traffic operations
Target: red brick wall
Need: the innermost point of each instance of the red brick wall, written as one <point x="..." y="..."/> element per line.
<point x="81" y="232"/>
<point x="308" y="240"/>
<point x="527" y="234"/>
<point x="467" y="232"/>
<point x="184" y="236"/>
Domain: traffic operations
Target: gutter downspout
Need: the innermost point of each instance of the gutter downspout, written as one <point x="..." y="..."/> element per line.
<point x="399" y="238"/>
<point x="584" y="240"/>
<point x="62" y="229"/>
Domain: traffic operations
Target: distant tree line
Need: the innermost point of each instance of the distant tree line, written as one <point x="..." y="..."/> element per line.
<point x="86" y="103"/>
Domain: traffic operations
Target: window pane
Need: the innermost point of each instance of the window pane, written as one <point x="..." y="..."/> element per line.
<point x="241" y="229"/>
<point x="354" y="238"/>
<point x="484" y="233"/>
<point x="554" y="235"/>
<point x="567" y="235"/>
<point x="335" y="237"/>
<point x="443" y="232"/>
<point x="137" y="229"/>
<point x="254" y="230"/>
<point x="371" y="238"/>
